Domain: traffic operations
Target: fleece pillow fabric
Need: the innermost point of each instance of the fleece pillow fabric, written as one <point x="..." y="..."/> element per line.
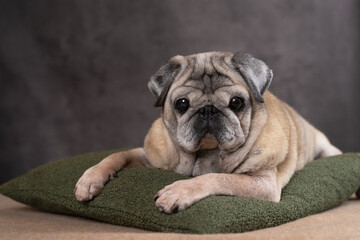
<point x="128" y="200"/>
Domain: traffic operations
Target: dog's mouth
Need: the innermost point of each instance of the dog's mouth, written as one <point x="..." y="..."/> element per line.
<point x="208" y="141"/>
<point x="206" y="135"/>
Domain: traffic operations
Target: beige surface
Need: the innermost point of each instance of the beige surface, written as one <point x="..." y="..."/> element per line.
<point x="18" y="221"/>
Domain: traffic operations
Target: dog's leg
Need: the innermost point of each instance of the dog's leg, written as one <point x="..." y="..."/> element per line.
<point x="182" y="194"/>
<point x="323" y="147"/>
<point x="93" y="180"/>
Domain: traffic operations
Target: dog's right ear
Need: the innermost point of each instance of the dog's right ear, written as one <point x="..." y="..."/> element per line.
<point x="161" y="81"/>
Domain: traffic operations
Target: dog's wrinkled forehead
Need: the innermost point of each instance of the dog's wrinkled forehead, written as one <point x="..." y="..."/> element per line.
<point x="204" y="72"/>
<point x="203" y="66"/>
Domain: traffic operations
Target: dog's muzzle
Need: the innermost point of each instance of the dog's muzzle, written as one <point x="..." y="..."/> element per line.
<point x="208" y="112"/>
<point x="208" y="121"/>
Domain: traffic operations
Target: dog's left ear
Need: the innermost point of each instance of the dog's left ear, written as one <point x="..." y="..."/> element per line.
<point x="255" y="72"/>
<point x="161" y="81"/>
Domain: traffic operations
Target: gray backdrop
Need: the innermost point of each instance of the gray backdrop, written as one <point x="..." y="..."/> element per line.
<point x="74" y="73"/>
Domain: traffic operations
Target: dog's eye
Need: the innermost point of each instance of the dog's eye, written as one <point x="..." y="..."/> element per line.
<point x="182" y="105"/>
<point x="236" y="104"/>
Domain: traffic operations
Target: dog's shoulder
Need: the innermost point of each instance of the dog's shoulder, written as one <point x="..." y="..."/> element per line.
<point x="158" y="146"/>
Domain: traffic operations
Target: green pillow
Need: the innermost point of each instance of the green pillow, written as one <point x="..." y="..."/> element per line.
<point x="128" y="200"/>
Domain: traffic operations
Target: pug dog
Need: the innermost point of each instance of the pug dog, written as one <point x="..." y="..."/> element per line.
<point x="220" y="125"/>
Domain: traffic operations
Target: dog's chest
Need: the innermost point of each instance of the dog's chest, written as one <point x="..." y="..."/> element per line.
<point x="206" y="161"/>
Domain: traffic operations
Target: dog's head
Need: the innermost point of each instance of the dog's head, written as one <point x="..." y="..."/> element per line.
<point x="208" y="98"/>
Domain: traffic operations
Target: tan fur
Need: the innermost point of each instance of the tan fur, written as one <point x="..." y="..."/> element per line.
<point x="94" y="179"/>
<point x="278" y="142"/>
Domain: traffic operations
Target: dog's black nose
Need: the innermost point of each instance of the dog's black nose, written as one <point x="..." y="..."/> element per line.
<point x="208" y="112"/>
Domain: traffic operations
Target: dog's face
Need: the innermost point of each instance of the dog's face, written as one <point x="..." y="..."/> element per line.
<point x="208" y="98"/>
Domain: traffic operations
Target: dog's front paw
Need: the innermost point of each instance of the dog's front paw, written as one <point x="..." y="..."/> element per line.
<point x="91" y="183"/>
<point x="179" y="195"/>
